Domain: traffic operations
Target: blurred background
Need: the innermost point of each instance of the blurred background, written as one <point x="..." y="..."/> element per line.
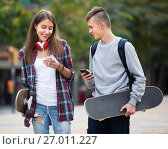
<point x="142" y="22"/>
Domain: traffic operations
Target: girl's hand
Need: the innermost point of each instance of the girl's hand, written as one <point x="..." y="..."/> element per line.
<point x="51" y="62"/>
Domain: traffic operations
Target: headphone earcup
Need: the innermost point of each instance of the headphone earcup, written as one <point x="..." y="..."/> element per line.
<point x="38" y="46"/>
<point x="45" y="45"/>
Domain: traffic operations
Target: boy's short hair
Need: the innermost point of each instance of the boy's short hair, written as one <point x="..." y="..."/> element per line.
<point x="100" y="15"/>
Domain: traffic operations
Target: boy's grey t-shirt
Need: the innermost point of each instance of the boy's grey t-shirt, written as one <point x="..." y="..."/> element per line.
<point x="110" y="74"/>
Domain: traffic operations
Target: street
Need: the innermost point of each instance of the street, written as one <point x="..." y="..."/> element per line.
<point x="153" y="121"/>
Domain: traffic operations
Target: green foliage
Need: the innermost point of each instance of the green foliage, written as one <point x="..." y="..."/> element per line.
<point x="70" y="17"/>
<point x="144" y="23"/>
<point x="119" y="17"/>
<point x="149" y="30"/>
<point x="14" y="23"/>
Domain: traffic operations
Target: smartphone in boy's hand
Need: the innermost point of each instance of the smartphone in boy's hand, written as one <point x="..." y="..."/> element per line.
<point x="84" y="71"/>
<point x="89" y="77"/>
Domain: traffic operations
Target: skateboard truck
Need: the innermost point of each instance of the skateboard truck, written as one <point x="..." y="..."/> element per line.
<point x="28" y="102"/>
<point x="101" y="120"/>
<point x="143" y="110"/>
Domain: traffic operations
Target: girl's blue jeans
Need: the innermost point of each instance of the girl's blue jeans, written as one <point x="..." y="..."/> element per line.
<point x="46" y="115"/>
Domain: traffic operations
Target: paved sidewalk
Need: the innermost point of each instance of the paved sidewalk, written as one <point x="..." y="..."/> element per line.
<point x="153" y="121"/>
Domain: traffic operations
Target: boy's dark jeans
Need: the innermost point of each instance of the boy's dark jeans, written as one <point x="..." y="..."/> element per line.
<point x="114" y="125"/>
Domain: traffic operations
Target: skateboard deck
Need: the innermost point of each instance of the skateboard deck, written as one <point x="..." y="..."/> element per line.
<point x="107" y="106"/>
<point x="20" y="100"/>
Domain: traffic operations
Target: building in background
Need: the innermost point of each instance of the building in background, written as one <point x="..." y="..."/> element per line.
<point x="9" y="65"/>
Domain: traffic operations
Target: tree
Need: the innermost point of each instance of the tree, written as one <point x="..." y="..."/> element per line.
<point x="15" y="22"/>
<point x="144" y="23"/>
<point x="70" y="17"/>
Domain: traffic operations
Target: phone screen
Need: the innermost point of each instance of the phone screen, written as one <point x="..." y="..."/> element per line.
<point x="84" y="71"/>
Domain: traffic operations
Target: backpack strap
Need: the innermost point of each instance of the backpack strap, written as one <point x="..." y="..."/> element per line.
<point x="121" y="52"/>
<point x="93" y="48"/>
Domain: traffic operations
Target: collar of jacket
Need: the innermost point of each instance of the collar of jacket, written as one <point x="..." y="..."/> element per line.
<point x="34" y="54"/>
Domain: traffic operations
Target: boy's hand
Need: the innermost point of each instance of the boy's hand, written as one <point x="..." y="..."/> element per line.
<point x="130" y="109"/>
<point x="87" y="78"/>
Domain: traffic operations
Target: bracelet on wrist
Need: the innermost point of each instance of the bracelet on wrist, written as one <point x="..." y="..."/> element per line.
<point x="62" y="69"/>
<point x="58" y="66"/>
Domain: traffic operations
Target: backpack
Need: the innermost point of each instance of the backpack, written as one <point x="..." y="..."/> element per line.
<point x="121" y="52"/>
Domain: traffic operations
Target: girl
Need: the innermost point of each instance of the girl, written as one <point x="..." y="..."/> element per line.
<point x="46" y="69"/>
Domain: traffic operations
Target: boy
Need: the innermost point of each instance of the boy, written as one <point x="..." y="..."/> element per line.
<point x="108" y="75"/>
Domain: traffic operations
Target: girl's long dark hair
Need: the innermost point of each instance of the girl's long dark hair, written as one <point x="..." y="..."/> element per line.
<point x="32" y="38"/>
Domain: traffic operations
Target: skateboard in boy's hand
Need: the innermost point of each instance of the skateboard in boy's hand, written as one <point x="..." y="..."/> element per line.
<point x="107" y="106"/>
